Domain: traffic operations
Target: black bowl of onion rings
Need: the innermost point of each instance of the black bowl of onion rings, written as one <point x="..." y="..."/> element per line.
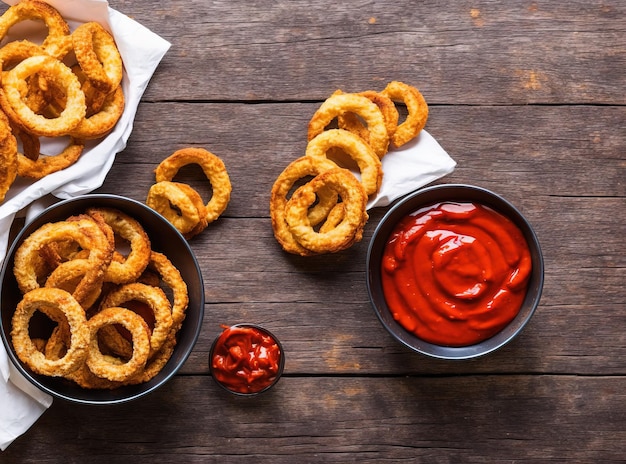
<point x="454" y="271"/>
<point x="119" y="365"/>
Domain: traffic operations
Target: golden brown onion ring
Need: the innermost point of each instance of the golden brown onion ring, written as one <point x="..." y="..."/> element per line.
<point x="84" y="231"/>
<point x="351" y="144"/>
<point x="416" y="107"/>
<point x="8" y="156"/>
<point x="298" y="169"/>
<point x="348" y="231"/>
<point x="351" y="121"/>
<point x="130" y="230"/>
<point x="176" y="204"/>
<point x="174" y="280"/>
<point x="338" y="104"/>
<point x="52" y="69"/>
<point x="60" y="306"/>
<point x="155" y="298"/>
<point x="55" y="42"/>
<point x="213" y="168"/>
<point x="104" y="120"/>
<point x="98" y="56"/>
<point x="135" y="324"/>
<point x="45" y="165"/>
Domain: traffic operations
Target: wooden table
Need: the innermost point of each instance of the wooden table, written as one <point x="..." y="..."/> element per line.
<point x="527" y="97"/>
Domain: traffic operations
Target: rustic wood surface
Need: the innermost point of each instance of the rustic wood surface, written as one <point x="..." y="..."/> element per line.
<point x="527" y="97"/>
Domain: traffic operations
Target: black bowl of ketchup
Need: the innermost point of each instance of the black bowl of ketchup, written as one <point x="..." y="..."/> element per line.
<point x="454" y="271"/>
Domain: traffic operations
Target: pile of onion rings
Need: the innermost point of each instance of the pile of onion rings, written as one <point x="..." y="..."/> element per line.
<point x="68" y="87"/>
<point x="115" y="305"/>
<point x="182" y="205"/>
<point x="317" y="204"/>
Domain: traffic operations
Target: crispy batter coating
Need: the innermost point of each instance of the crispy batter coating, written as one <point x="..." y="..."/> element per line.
<point x="136" y="325"/>
<point x="351" y="144"/>
<point x="130" y="230"/>
<point x="338" y="104"/>
<point x="85" y="232"/>
<point x="213" y="168"/>
<point x="348" y="231"/>
<point x="416" y="107"/>
<point x="177" y="204"/>
<point x="8" y="156"/>
<point x="60" y="306"/>
<point x="98" y="56"/>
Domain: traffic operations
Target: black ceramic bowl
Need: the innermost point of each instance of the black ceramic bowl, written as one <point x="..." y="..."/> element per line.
<point x="433" y="195"/>
<point x="165" y="239"/>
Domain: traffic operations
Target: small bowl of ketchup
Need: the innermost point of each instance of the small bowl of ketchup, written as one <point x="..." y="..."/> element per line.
<point x="454" y="271"/>
<point x="246" y="359"/>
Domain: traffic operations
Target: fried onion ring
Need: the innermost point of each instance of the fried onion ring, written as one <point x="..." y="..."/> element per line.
<point x="98" y="56"/>
<point x="58" y="29"/>
<point x="45" y="165"/>
<point x="174" y="280"/>
<point x="338" y="104"/>
<point x="348" y="231"/>
<point x="416" y="107"/>
<point x="135" y="324"/>
<point x="155" y="298"/>
<point x="102" y="121"/>
<point x="56" y="71"/>
<point x="60" y="306"/>
<point x="351" y="122"/>
<point x="351" y="144"/>
<point x="213" y="168"/>
<point x="8" y="156"/>
<point x="85" y="232"/>
<point x="129" y="229"/>
<point x="175" y="203"/>
<point x="298" y="169"/>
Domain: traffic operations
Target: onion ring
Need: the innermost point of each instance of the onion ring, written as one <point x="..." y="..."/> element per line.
<point x="132" y="231"/>
<point x="175" y="203"/>
<point x="296" y="170"/>
<point x="139" y="331"/>
<point x="68" y="275"/>
<point x="351" y="122"/>
<point x="213" y="168"/>
<point x="104" y="120"/>
<point x="45" y="165"/>
<point x="8" y="156"/>
<point x="98" y="56"/>
<point x="174" y="280"/>
<point x="59" y="305"/>
<point x="348" y="231"/>
<point x="53" y="69"/>
<point x="155" y="298"/>
<point x="416" y="107"/>
<point x="351" y="144"/>
<point x="84" y="231"/>
<point x="55" y="42"/>
<point x="338" y="104"/>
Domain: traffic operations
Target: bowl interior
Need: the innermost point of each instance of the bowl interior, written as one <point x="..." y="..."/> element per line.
<point x="436" y="194"/>
<point x="165" y="239"/>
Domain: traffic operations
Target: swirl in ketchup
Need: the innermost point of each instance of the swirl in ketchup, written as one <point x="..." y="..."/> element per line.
<point x="455" y="273"/>
<point x="246" y="359"/>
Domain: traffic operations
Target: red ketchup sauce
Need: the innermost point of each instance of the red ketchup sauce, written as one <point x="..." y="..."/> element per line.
<point x="245" y="359"/>
<point x="455" y="274"/>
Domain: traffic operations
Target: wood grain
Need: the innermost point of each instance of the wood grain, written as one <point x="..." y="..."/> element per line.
<point x="527" y="97"/>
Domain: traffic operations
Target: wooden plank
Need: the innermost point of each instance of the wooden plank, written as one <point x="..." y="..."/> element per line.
<point x="479" y="419"/>
<point x="495" y="52"/>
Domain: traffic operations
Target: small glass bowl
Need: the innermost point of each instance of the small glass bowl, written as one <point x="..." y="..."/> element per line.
<point x="234" y="382"/>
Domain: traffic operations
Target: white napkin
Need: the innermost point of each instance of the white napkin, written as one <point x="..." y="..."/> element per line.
<point x="21" y="403"/>
<point x="412" y="166"/>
